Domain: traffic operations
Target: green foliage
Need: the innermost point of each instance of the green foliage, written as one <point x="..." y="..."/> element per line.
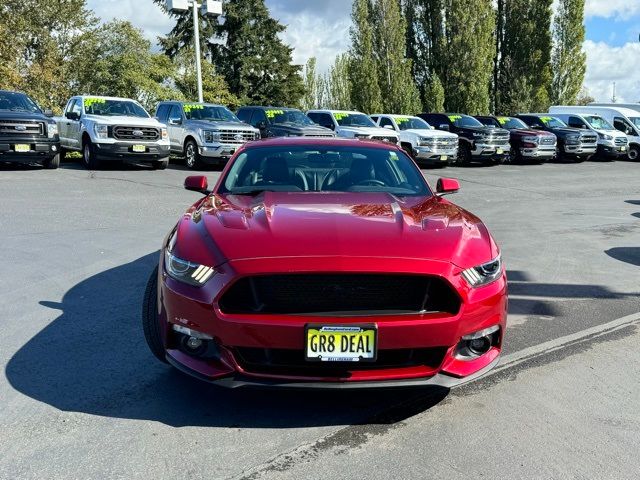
<point x="569" y="60"/>
<point x="312" y="85"/>
<point x="338" y="84"/>
<point x="433" y="95"/>
<point x="366" y="94"/>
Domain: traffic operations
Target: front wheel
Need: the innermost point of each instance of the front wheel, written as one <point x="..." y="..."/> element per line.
<point x="89" y="156"/>
<point x="192" y="155"/>
<point x="160" y="164"/>
<point x="464" y="155"/>
<point x="52" y="163"/>
<point x="150" y="321"/>
<point x="634" y="153"/>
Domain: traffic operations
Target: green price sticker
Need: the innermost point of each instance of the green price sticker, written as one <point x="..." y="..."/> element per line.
<point x="503" y="120"/>
<point x="453" y="118"/>
<point x="340" y="116"/>
<point x="402" y="119"/>
<point x="273" y="113"/>
<point x="192" y="106"/>
<point x="90" y="101"/>
<point x="546" y="120"/>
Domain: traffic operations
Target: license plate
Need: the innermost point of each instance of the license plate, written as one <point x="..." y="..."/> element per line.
<point x="623" y="149"/>
<point x="443" y="158"/>
<point x="139" y="148"/>
<point x="23" y="148"/>
<point x="331" y="343"/>
<point x="499" y="151"/>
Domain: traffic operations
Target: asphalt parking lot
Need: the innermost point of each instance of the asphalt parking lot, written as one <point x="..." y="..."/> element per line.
<point x="82" y="397"/>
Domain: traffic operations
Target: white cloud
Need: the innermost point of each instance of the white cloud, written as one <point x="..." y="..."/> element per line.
<point x="607" y="64"/>
<point x="618" y="9"/>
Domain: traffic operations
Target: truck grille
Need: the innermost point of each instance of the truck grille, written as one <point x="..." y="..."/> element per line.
<point x="385" y="139"/>
<point x="319" y="135"/>
<point x="349" y="294"/>
<point x="8" y="127"/>
<point x="236" y="136"/>
<point x="547" y="140"/>
<point x="620" y="141"/>
<point x="136" y="133"/>
<point x="497" y="139"/>
<point x="588" y="139"/>
<point x="441" y="142"/>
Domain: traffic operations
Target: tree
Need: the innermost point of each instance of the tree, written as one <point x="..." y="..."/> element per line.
<point x="363" y="69"/>
<point x="584" y="97"/>
<point x="399" y="91"/>
<point x="116" y="59"/>
<point x="433" y="95"/>
<point x="338" y="84"/>
<point x="569" y="60"/>
<point x="310" y="99"/>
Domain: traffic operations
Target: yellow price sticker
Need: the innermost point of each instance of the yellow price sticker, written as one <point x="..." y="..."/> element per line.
<point x="503" y="120"/>
<point x="273" y="113"/>
<point x="340" y="116"/>
<point x="402" y="119"/>
<point x="453" y="118"/>
<point x="546" y="119"/>
<point x="192" y="106"/>
<point x="90" y="101"/>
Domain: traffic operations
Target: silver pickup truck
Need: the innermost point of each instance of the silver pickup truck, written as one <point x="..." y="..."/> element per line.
<point x="204" y="133"/>
<point x="110" y="128"/>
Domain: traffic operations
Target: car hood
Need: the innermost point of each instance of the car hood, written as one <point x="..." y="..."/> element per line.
<point x="567" y="131"/>
<point x="302" y="130"/>
<point x="124" y="120"/>
<point x="429" y="133"/>
<point x="369" y="131"/>
<point x="277" y="224"/>
<point x="17" y="116"/>
<point x="525" y="131"/>
<point x="210" y="125"/>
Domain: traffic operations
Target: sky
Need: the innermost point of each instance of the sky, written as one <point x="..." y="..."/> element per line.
<point x="320" y="28"/>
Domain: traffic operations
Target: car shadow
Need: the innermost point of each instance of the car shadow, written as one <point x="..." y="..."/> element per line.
<point x="630" y="255"/>
<point x="93" y="359"/>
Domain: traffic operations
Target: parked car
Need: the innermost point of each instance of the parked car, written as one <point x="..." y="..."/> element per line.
<point x="204" y="133"/>
<point x="112" y="129"/>
<point x="573" y="143"/>
<point x="27" y="134"/>
<point x="281" y="122"/>
<point x="612" y="143"/>
<point x="477" y="142"/>
<point x="526" y="143"/>
<point x="366" y="278"/>
<point x="420" y="140"/>
<point x="352" y="125"/>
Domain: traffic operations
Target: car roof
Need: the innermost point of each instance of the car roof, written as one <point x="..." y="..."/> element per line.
<point x="594" y="108"/>
<point x="354" y="112"/>
<point x="392" y="115"/>
<point x="262" y="107"/>
<point x="108" y="98"/>
<point x="320" y="141"/>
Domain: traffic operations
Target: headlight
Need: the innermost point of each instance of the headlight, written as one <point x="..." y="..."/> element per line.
<point x="361" y="135"/>
<point x="604" y="136"/>
<point x="573" y="139"/>
<point x="164" y="133"/>
<point x="186" y="272"/>
<point x="531" y="139"/>
<point x="101" y="131"/>
<point x="52" y="130"/>
<point x="477" y="135"/>
<point x="426" y="141"/>
<point x="484" y="274"/>
<point x="210" y="136"/>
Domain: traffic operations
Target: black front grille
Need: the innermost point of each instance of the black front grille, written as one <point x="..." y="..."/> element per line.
<point x="620" y="141"/>
<point x="547" y="140"/>
<point x="293" y="363"/>
<point x="588" y="139"/>
<point x="136" y="133"/>
<point x="340" y="295"/>
<point x="385" y="139"/>
<point x="320" y="135"/>
<point x="8" y="127"/>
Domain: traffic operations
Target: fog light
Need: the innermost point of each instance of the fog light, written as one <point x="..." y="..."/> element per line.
<point x="54" y="148"/>
<point x="194" y="343"/>
<point x="478" y="343"/>
<point x="479" y="346"/>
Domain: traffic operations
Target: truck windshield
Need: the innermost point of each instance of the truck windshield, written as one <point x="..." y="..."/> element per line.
<point x="598" y="123"/>
<point x="464" y="121"/>
<point x="211" y="113"/>
<point x="17" y="102"/>
<point x="511" y="123"/>
<point x="411" y="123"/>
<point x="112" y="108"/>
<point x="353" y="120"/>
<point x="288" y="116"/>
<point x="552" y="122"/>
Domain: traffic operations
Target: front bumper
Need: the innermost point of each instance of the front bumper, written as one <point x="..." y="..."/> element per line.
<point x="38" y="150"/>
<point x="124" y="151"/>
<point x="490" y="153"/>
<point x="218" y="152"/>
<point x="435" y="156"/>
<point x="580" y="150"/>
<point x="197" y="308"/>
<point x="612" y="152"/>
<point x="545" y="151"/>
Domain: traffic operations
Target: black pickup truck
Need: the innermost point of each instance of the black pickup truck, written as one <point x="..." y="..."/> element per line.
<point x="281" y="122"/>
<point x="27" y="134"/>
<point x="477" y="142"/>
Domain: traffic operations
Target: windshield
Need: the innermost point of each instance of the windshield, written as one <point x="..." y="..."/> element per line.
<point x="288" y="116"/>
<point x="598" y="123"/>
<point x="112" y="108"/>
<point x="319" y="168"/>
<point x="553" y="122"/>
<point x="511" y="123"/>
<point x="17" y="102"/>
<point x="411" y="123"/>
<point x="211" y="113"/>
<point x="464" y="121"/>
<point x="353" y="120"/>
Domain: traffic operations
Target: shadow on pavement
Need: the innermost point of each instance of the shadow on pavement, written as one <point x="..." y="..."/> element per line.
<point x="629" y="255"/>
<point x="93" y="359"/>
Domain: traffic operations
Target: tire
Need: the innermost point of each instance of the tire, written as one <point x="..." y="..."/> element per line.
<point x="150" y="325"/>
<point x="634" y="153"/>
<point x="160" y="164"/>
<point x="464" y="155"/>
<point x="408" y="148"/>
<point x="63" y="154"/>
<point x="89" y="156"/>
<point x="192" y="157"/>
<point x="52" y="163"/>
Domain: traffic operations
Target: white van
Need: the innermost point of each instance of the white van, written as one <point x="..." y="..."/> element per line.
<point x="612" y="143"/>
<point x="624" y="117"/>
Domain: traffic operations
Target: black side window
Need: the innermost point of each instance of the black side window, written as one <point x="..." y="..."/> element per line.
<point x="624" y="126"/>
<point x="258" y="117"/>
<point x="163" y="112"/>
<point x="385" y="121"/>
<point x="533" y="122"/>
<point x="575" y="122"/>
<point x="176" y="113"/>
<point x="244" y="114"/>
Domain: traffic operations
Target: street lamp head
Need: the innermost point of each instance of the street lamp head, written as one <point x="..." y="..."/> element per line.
<point x="176" y="6"/>
<point x="212" y="8"/>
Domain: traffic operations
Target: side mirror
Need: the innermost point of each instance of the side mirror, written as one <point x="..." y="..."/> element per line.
<point x="48" y="113"/>
<point x="444" y="126"/>
<point x="175" y="121"/>
<point x="446" y="186"/>
<point x="330" y="126"/>
<point x="261" y="125"/>
<point x="388" y="127"/>
<point x="72" y="115"/>
<point x="197" y="183"/>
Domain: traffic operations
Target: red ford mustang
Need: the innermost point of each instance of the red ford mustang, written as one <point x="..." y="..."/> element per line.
<point x="331" y="263"/>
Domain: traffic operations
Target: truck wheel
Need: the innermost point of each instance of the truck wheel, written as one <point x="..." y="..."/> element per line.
<point x="52" y="163"/>
<point x="407" y="147"/>
<point x="192" y="155"/>
<point x="150" y="322"/>
<point x="464" y="155"/>
<point x="89" y="156"/>
<point x="634" y="153"/>
<point x="160" y="164"/>
<point x="63" y="154"/>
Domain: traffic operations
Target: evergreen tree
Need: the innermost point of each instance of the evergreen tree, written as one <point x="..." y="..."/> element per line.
<point x="363" y="69"/>
<point x="311" y="84"/>
<point x="433" y="96"/>
<point x="338" y="84"/>
<point x="399" y="91"/>
<point x="569" y="60"/>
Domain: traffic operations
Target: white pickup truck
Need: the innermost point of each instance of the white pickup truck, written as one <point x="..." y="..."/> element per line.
<point x="110" y="128"/>
<point x="352" y="125"/>
<point x="425" y="144"/>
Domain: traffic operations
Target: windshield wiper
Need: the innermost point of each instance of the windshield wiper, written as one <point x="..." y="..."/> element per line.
<point x="252" y="193"/>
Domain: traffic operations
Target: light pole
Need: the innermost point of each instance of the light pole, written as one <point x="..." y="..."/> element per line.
<point x="210" y="8"/>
